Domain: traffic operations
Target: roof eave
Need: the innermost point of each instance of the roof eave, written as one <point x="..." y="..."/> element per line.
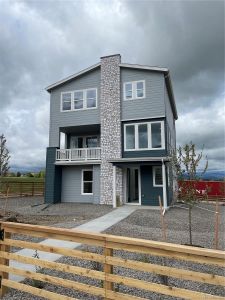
<point x="60" y="82"/>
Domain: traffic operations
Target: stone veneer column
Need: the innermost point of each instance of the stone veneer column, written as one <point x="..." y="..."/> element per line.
<point x="110" y="125"/>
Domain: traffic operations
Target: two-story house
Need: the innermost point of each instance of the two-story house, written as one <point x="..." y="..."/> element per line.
<point x="112" y="128"/>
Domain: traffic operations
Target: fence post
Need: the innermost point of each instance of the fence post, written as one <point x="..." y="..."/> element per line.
<point x="3" y="261"/>
<point x="108" y="269"/>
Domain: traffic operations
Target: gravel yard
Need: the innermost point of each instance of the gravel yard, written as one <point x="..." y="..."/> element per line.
<point x="32" y="210"/>
<point x="144" y="223"/>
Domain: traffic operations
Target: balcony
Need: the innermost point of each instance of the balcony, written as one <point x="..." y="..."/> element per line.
<point x="78" y="155"/>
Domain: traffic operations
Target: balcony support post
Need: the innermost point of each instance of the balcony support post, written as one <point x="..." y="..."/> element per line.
<point x="114" y="186"/>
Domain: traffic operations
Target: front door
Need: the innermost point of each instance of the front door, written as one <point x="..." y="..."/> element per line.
<point x="133" y="185"/>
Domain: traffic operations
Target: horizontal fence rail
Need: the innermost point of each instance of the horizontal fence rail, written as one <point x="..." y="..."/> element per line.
<point x="78" y="154"/>
<point x="111" y="256"/>
<point x="21" y="188"/>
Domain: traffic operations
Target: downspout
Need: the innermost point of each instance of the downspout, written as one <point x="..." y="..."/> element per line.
<point x="164" y="185"/>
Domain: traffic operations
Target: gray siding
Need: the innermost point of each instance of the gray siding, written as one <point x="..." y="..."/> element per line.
<point x="71" y="184"/>
<point x="170" y="119"/>
<point x="149" y="107"/>
<point x="75" y="118"/>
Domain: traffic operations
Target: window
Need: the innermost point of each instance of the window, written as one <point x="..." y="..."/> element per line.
<point x="91" y="98"/>
<point x="157" y="176"/>
<point x="82" y="99"/>
<point x="66" y="101"/>
<point x="156" y="135"/>
<point x="87" y="182"/>
<point x="144" y="136"/>
<point x="92" y="142"/>
<point x="78" y="100"/>
<point x="130" y="137"/>
<point x="134" y="90"/>
<point x="128" y="91"/>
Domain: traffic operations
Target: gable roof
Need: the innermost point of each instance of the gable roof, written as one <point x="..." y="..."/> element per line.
<point x="71" y="77"/>
<point x="165" y="71"/>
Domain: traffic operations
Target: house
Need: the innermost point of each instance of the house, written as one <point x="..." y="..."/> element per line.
<point x="112" y="129"/>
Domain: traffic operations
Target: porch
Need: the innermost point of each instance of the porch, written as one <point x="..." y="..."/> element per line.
<point x="79" y="144"/>
<point x="143" y="181"/>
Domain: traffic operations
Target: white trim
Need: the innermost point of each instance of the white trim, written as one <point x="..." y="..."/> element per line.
<point x="154" y="184"/>
<point x="84" y="100"/>
<point x="135" y="119"/>
<point x="114" y="186"/>
<point x="133" y="90"/>
<point x="164" y="185"/>
<point x="144" y="67"/>
<point x="139" y="187"/>
<point x="82" y="181"/>
<point x="72" y="76"/>
<point x="149" y="133"/>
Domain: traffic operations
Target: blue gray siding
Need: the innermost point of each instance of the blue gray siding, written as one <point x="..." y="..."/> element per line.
<point x="150" y="107"/>
<point x="52" y="178"/>
<point x="74" y="118"/>
<point x="71" y="184"/>
<point x="170" y="119"/>
<point x="150" y="194"/>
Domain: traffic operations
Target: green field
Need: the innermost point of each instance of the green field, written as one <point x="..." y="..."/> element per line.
<point x="21" y="179"/>
<point x="22" y="185"/>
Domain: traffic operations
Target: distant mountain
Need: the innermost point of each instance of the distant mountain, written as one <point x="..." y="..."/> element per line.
<point x="214" y="175"/>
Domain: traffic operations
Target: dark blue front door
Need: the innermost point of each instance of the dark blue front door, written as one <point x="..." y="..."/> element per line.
<point x="149" y="193"/>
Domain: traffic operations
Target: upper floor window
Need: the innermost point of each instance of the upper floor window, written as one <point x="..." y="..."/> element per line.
<point x="134" y="90"/>
<point x="80" y="99"/>
<point x="144" y="136"/>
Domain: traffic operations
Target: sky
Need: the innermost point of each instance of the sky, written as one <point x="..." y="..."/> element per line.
<point x="42" y="42"/>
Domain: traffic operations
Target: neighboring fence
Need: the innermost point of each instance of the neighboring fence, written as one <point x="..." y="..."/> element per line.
<point x="215" y="189"/>
<point x="107" y="276"/>
<point x="22" y="188"/>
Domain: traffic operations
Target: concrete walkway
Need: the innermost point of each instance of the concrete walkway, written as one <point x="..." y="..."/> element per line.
<point x="97" y="225"/>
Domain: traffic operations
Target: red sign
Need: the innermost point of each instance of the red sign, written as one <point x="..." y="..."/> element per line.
<point x="215" y="189"/>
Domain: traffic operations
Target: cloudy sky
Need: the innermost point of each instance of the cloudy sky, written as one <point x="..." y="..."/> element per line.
<point x="44" y="41"/>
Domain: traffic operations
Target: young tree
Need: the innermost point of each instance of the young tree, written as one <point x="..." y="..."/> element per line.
<point x="186" y="166"/>
<point x="4" y="156"/>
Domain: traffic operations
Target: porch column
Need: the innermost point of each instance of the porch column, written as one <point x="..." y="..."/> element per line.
<point x="114" y="187"/>
<point x="164" y="185"/>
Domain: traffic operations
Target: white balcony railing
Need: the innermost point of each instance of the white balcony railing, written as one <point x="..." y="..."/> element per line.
<point x="78" y="154"/>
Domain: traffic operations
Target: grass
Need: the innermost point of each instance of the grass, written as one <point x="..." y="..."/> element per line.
<point x="21" y="179"/>
<point x="22" y="185"/>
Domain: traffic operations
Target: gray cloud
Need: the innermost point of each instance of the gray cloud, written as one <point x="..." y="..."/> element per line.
<point x="44" y="41"/>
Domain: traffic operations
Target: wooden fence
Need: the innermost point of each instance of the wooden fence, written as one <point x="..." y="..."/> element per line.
<point x="22" y="188"/>
<point x="109" y="258"/>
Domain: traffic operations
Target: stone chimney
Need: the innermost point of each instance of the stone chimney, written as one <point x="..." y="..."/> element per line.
<point x="110" y="125"/>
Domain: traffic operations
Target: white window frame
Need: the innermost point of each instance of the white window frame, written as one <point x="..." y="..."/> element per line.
<point x="136" y="139"/>
<point x="61" y="105"/>
<point x="154" y="172"/>
<point x="82" y="181"/>
<point x="134" y="90"/>
<point x="84" y="100"/>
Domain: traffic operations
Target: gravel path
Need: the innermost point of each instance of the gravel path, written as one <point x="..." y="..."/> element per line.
<point x="146" y="224"/>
